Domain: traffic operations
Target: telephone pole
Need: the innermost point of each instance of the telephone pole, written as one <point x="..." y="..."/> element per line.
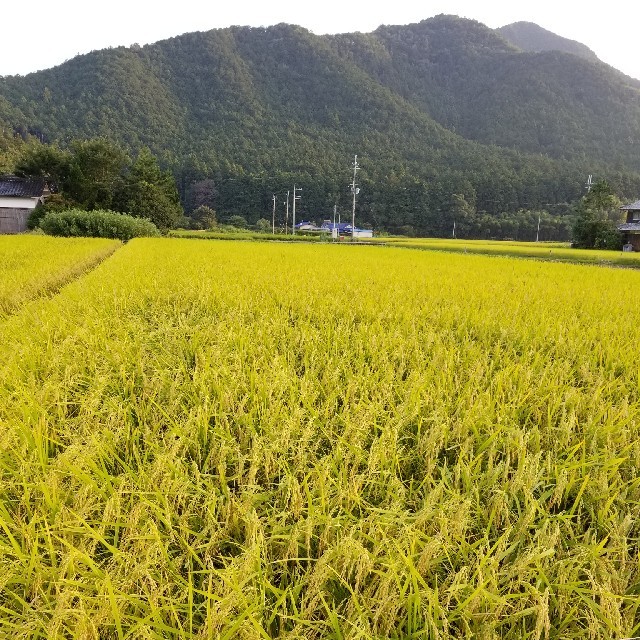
<point x="354" y="191"/>
<point x="273" y="216"/>
<point x="295" y="197"/>
<point x="286" y="223"/>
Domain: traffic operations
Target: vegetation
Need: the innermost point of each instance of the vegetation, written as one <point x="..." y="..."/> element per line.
<point x="96" y="224"/>
<point x="531" y="37"/>
<point x="596" y="219"/>
<point x="442" y="113"/>
<point x="98" y="174"/>
<point x="209" y="439"/>
<point x="35" y="266"/>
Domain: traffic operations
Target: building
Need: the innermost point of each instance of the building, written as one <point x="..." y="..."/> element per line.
<point x="631" y="228"/>
<point x="18" y="198"/>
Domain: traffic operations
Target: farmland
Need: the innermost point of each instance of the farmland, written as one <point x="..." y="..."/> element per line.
<point x="33" y="266"/>
<point x="261" y="440"/>
<point x="552" y="251"/>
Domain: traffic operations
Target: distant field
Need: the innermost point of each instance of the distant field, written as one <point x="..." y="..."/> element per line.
<point x="264" y="440"/>
<point x="31" y="266"/>
<point x="550" y="251"/>
<point x="555" y="251"/>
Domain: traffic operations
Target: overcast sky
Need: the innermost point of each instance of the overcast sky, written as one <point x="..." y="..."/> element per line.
<point x="39" y="35"/>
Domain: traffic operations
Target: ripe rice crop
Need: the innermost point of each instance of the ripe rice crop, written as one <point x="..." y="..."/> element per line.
<point x="246" y="440"/>
<point x="554" y="251"/>
<point x="31" y="266"/>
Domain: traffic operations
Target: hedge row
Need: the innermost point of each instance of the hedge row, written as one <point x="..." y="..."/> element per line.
<point x="96" y="224"/>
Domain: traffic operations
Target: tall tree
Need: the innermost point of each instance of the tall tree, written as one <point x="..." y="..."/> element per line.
<point x="96" y="172"/>
<point x="148" y="192"/>
<point x="596" y="216"/>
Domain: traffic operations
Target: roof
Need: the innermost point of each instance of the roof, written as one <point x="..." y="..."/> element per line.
<point x="634" y="206"/>
<point x="21" y="187"/>
<point x="629" y="226"/>
<point x="340" y="226"/>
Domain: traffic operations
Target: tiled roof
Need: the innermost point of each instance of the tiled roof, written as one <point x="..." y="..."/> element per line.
<point x="629" y="226"/>
<point x="634" y="206"/>
<point x="21" y="187"/>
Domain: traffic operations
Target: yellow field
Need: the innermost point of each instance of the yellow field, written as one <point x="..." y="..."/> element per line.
<point x="251" y="440"/>
<point x="554" y="251"/>
<point x="31" y="266"/>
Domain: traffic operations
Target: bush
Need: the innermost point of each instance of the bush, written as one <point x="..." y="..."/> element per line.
<point x="96" y="224"/>
<point x="264" y="226"/>
<point x="238" y="221"/>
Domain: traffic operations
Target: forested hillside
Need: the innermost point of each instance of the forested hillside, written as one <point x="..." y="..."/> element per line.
<point x="531" y="37"/>
<point x="449" y="121"/>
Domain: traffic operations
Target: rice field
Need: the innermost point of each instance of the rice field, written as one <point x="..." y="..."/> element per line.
<point x="552" y="251"/>
<point x="261" y="440"/>
<point x="32" y="266"/>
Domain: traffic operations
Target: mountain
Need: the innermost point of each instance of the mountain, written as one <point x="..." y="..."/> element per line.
<point x="448" y="119"/>
<point x="531" y="37"/>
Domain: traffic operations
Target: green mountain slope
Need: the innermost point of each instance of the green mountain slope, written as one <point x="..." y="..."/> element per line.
<point x="533" y="38"/>
<point x="438" y="109"/>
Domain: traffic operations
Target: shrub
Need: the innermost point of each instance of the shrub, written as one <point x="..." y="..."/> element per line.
<point x="263" y="225"/>
<point x="96" y="224"/>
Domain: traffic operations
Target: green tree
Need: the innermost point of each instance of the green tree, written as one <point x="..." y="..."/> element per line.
<point x="264" y="226"/>
<point x="596" y="218"/>
<point x="148" y="192"/>
<point x="47" y="161"/>
<point x="96" y="172"/>
<point x="203" y="218"/>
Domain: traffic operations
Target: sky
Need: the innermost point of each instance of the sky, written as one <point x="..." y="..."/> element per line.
<point x="41" y="35"/>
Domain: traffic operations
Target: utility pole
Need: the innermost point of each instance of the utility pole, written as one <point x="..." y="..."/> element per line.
<point x="273" y="216"/>
<point x="295" y="197"/>
<point x="334" y="230"/>
<point x="454" y="228"/>
<point x="538" y="231"/>
<point x="354" y="191"/>
<point x="286" y="223"/>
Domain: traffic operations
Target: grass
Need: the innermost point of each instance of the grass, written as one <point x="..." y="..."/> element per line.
<point x="254" y="440"/>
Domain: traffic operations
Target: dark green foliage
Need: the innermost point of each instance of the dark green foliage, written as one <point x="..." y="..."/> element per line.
<point x="96" y="224"/>
<point x="202" y="218"/>
<point x="148" y="192"/>
<point x="46" y="161"/>
<point x="95" y="173"/>
<point x="596" y="218"/>
<point x="435" y="110"/>
<point x="237" y="221"/>
<point x="264" y="226"/>
<point x="11" y="148"/>
<point x="98" y="174"/>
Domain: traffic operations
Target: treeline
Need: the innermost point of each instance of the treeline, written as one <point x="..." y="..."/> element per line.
<point x="97" y="174"/>
<point x="100" y="174"/>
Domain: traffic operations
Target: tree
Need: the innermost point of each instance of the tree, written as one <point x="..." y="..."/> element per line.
<point x="148" y="192"/>
<point x="95" y="173"/>
<point x="596" y="216"/>
<point x="238" y="221"/>
<point x="264" y="226"/>
<point x="46" y="161"/>
<point x="203" y="218"/>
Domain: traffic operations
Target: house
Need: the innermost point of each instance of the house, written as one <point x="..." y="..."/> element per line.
<point x="631" y="228"/>
<point x="18" y="198"/>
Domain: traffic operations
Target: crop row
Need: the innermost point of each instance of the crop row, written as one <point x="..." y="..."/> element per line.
<point x="32" y="266"/>
<point x="246" y="440"/>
